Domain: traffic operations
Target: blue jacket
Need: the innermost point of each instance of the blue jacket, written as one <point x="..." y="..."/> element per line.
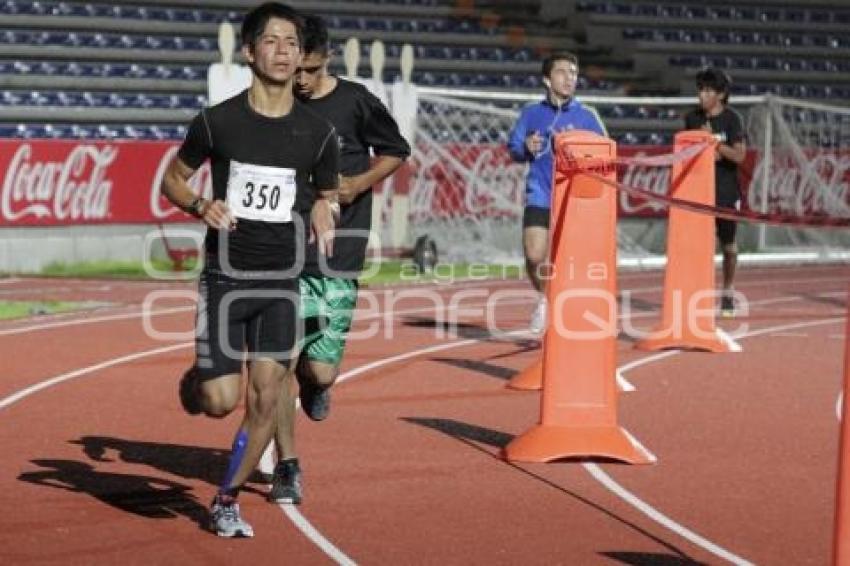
<point x="547" y="119"/>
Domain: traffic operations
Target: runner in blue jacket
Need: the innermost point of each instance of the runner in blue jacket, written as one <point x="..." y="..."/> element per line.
<point x="531" y="141"/>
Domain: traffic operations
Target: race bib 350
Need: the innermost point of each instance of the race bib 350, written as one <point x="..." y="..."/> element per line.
<point x="258" y="192"/>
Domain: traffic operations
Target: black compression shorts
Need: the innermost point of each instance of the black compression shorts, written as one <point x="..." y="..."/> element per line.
<point x="241" y="318"/>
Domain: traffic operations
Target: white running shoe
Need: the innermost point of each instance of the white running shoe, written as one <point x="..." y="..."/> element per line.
<point x="538" y="317"/>
<point x="225" y="520"/>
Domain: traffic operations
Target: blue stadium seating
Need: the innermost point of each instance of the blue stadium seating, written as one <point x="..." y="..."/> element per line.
<point x="778" y="39"/>
<point x="744" y="13"/>
<point x="92" y="131"/>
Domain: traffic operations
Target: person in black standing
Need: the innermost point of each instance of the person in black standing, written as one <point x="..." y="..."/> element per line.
<point x="725" y="124"/>
<point x="274" y="173"/>
<point x="329" y="285"/>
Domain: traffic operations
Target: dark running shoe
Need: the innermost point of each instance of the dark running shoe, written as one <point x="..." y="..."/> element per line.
<point x="727" y="306"/>
<point x="315" y="400"/>
<point x="225" y="520"/>
<point x="286" y="482"/>
<point x="189" y="397"/>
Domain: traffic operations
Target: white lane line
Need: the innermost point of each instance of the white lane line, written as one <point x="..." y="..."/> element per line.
<point x="608" y="482"/>
<point x="91" y="320"/>
<point x="290" y="510"/>
<point x="303" y="525"/>
<point x="40" y="386"/>
<point x="659" y="517"/>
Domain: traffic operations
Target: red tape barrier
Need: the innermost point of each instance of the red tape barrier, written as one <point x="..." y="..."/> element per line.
<point x="669" y="160"/>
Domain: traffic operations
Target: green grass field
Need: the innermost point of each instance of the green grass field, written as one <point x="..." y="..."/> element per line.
<point x="21" y="309"/>
<point x="395" y="272"/>
<point x="382" y="273"/>
<point x="112" y="269"/>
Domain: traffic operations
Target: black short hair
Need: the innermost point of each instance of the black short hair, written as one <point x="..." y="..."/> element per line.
<point x="715" y="79"/>
<point x="315" y="35"/>
<point x="556" y="56"/>
<point x="255" y="21"/>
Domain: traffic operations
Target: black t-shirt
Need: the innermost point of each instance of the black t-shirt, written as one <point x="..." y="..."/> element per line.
<point x="269" y="171"/>
<point x="362" y="123"/>
<point x="728" y="128"/>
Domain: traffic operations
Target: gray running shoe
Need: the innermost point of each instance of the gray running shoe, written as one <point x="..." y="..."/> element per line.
<point x="315" y="400"/>
<point x="286" y="482"/>
<point x="225" y="520"/>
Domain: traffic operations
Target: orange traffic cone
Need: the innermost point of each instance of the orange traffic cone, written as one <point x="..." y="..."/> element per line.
<point x="578" y="415"/>
<point x="688" y="313"/>
<point x="841" y="536"/>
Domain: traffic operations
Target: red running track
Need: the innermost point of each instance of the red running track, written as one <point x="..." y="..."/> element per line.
<point x="102" y="467"/>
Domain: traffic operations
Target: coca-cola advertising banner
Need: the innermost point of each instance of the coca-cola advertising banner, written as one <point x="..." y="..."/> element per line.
<point x="64" y="182"/>
<point x="656" y="179"/>
<point x="55" y="183"/>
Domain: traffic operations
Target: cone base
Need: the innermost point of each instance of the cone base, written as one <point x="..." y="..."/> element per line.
<point x="718" y="343"/>
<point x="545" y="443"/>
<point x="529" y="379"/>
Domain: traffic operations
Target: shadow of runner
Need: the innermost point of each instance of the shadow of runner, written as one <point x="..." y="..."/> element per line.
<point x="488" y="369"/>
<point x="190" y="462"/>
<point x="650" y="559"/>
<point x="449" y="327"/>
<point x="154" y="498"/>
<point x="471" y="434"/>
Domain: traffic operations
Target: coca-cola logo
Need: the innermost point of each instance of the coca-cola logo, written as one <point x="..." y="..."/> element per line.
<point x="201" y="184"/>
<point x="73" y="189"/>
<point x="454" y="180"/>
<point x="802" y="185"/>
<point x="652" y="179"/>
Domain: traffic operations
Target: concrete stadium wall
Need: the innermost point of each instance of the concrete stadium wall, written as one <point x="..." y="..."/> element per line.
<point x="30" y="250"/>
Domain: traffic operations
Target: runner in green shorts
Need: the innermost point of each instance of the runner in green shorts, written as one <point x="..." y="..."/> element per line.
<point x="327" y="307"/>
<point x="328" y="286"/>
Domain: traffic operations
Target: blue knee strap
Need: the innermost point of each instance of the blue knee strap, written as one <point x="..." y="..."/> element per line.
<point x="236" y="455"/>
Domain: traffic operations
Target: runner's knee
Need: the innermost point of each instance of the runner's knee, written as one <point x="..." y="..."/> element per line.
<point x="266" y="381"/>
<point x="323" y="374"/>
<point x="218" y="402"/>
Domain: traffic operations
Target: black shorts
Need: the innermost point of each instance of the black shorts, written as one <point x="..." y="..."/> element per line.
<point x="243" y="319"/>
<point x="726" y="229"/>
<point x="535" y="216"/>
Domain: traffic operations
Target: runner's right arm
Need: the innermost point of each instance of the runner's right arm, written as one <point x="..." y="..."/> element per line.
<point x="175" y="187"/>
<point x="325" y="175"/>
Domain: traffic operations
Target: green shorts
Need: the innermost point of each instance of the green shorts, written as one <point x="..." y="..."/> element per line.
<point x="327" y="307"/>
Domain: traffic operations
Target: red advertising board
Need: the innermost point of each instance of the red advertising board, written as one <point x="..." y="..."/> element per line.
<point x="59" y="182"/>
<point x="72" y="182"/>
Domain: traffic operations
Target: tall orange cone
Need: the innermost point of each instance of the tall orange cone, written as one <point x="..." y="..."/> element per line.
<point x="688" y="313"/>
<point x="841" y="536"/>
<point x="578" y="416"/>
